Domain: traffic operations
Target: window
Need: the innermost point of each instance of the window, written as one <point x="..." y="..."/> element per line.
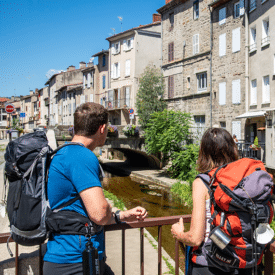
<point x="195" y="43"/>
<point x="253" y="44"/>
<point x="253" y="5"/>
<point x="202" y="81"/>
<point x="222" y="44"/>
<point x="199" y="125"/>
<point x="223" y="124"/>
<point x="82" y="99"/>
<point x="188" y="83"/>
<point x="84" y="80"/>
<point x="237" y="10"/>
<point x="116" y="48"/>
<point x="241" y="7"/>
<point x="253" y="93"/>
<point x="222" y="16"/>
<point x="128" y="44"/>
<point x="236" y="40"/>
<point x="266" y="90"/>
<point x="265" y="33"/>
<point x="103" y="60"/>
<point x="127" y="96"/>
<point x="115" y="72"/>
<point x="236" y="129"/>
<point x="236" y="91"/>
<point x="91" y="97"/>
<point x="222" y="93"/>
<point x="103" y="81"/>
<point x="196" y="9"/>
<point x="171" y="21"/>
<point x="89" y="80"/>
<point x="171" y="51"/>
<point x="170" y="86"/>
<point x="127" y="67"/>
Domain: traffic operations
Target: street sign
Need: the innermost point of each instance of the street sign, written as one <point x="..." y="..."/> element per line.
<point x="22" y="115"/>
<point x="9" y="108"/>
<point x="132" y="116"/>
<point x="131" y="111"/>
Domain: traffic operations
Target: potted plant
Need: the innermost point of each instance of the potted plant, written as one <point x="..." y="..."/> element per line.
<point x="112" y="131"/>
<point x="71" y="131"/>
<point x="255" y="146"/>
<point x="131" y="131"/>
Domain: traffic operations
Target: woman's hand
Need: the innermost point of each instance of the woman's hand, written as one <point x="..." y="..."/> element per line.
<point x="178" y="229"/>
<point x="137" y="213"/>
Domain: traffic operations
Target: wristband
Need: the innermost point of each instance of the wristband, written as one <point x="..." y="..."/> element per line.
<point x="117" y="217"/>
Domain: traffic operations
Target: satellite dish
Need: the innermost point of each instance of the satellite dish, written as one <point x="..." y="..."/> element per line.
<point x="52" y="72"/>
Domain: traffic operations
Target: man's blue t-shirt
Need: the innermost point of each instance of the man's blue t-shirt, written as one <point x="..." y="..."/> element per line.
<point x="74" y="168"/>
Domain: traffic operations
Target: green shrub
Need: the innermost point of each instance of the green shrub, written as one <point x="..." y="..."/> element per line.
<point x="184" y="192"/>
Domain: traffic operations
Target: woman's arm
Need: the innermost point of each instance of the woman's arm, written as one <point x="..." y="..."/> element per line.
<point x="195" y="235"/>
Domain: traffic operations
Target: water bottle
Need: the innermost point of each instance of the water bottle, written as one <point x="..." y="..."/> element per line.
<point x="90" y="260"/>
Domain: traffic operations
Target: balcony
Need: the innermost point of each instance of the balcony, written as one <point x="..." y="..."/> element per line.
<point x="246" y="152"/>
<point x="253" y="47"/>
<point x="149" y="222"/>
<point x="123" y="103"/>
<point x="265" y="41"/>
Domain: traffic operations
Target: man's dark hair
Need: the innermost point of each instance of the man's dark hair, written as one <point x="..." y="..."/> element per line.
<point x="88" y="117"/>
<point x="217" y="148"/>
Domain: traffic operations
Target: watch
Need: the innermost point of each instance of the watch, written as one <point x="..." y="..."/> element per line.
<point x="117" y="217"/>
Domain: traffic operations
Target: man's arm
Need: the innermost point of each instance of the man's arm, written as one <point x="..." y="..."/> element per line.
<point x="98" y="209"/>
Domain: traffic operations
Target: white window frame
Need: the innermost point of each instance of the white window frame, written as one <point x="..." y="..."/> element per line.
<point x="116" y="48"/>
<point x="252" y="5"/>
<point x="196" y="9"/>
<point x="236" y="91"/>
<point x="196" y="43"/>
<point x="236" y="40"/>
<point x="253" y="92"/>
<point x="266" y="90"/>
<point x="237" y="10"/>
<point x="222" y="93"/>
<point x="128" y="44"/>
<point x="265" y="32"/>
<point x="202" y="81"/>
<point x="222" y="16"/>
<point x="91" y="97"/>
<point x="127" y="67"/>
<point x="115" y="71"/>
<point x="222" y="44"/>
<point x="253" y="39"/>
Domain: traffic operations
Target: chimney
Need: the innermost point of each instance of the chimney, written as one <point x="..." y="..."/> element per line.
<point x="12" y="98"/>
<point x="167" y="1"/>
<point x="31" y="92"/>
<point x="82" y="65"/>
<point x="156" y="17"/>
<point x="36" y="91"/>
<point x="70" y="68"/>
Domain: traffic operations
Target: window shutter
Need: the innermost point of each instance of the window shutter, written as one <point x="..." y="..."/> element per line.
<point x="112" y="71"/>
<point x="222" y="44"/>
<point x="132" y="42"/>
<point x="124" y="45"/>
<point x="84" y="80"/>
<point x="236" y="129"/>
<point x="241" y="7"/>
<point x="236" y="40"/>
<point x="127" y="96"/>
<point x="222" y="16"/>
<point x="118" y="98"/>
<point x="118" y="47"/>
<point x="253" y="92"/>
<point x="86" y="98"/>
<point x="195" y="43"/>
<point x="222" y="93"/>
<point x="118" y="70"/>
<point x="110" y="95"/>
<point x="91" y="97"/>
<point x="70" y="109"/>
<point x="89" y="80"/>
<point x="127" y="67"/>
<point x="73" y="107"/>
<point x="236" y="91"/>
<point x="82" y="99"/>
<point x="266" y="91"/>
<point x="113" y="48"/>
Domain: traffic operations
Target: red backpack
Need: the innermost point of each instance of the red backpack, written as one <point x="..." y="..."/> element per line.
<point x="240" y="194"/>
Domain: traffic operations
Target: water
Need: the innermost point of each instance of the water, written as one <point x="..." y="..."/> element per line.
<point x="157" y="200"/>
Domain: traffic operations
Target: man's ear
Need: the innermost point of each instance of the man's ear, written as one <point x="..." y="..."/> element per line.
<point x="102" y="128"/>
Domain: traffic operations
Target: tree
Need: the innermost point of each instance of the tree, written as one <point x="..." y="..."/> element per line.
<point x="150" y="93"/>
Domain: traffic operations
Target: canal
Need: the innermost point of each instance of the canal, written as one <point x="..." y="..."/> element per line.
<point x="157" y="200"/>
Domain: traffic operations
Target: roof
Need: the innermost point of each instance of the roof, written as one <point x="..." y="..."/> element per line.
<point x="170" y="5"/>
<point x="4" y="99"/>
<point x="71" y="86"/>
<point x="133" y="29"/>
<point x="217" y="3"/>
<point x="100" y="53"/>
<point x="252" y="114"/>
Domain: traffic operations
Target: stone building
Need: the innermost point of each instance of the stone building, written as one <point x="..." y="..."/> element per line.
<point x="129" y="54"/>
<point x="186" y="59"/>
<point x="43" y="104"/>
<point x="228" y="65"/>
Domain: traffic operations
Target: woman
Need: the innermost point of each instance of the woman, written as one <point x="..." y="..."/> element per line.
<point x="217" y="148"/>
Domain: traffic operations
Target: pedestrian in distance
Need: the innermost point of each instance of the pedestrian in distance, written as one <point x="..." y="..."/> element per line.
<point x="235" y="138"/>
<point x="222" y="240"/>
<point x="74" y="180"/>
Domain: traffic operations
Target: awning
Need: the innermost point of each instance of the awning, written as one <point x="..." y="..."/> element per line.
<point x="252" y="114"/>
<point x="261" y="129"/>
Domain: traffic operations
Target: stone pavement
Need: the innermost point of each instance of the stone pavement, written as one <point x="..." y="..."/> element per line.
<point x="29" y="260"/>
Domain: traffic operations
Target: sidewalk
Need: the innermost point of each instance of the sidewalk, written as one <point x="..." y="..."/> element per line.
<point x="28" y="265"/>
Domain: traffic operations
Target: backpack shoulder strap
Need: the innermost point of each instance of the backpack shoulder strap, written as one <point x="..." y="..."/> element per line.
<point x="205" y="179"/>
<point x="64" y="145"/>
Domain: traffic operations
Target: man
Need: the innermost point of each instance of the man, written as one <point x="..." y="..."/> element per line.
<point x="75" y="170"/>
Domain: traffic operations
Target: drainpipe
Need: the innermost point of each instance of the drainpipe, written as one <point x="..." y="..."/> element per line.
<point x="210" y="69"/>
<point x="246" y="56"/>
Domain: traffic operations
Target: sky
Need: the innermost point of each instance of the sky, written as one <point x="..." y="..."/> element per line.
<point x="38" y="36"/>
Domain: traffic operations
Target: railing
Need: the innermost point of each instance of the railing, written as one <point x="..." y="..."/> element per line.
<point x="118" y="103"/>
<point x="253" y="47"/>
<point x="266" y="41"/>
<point x="149" y="222"/>
<point x="246" y="152"/>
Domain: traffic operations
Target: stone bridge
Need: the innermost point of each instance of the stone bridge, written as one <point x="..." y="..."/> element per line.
<point x="133" y="149"/>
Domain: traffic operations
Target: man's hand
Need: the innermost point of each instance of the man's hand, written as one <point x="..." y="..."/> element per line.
<point x="137" y="213"/>
<point x="177" y="229"/>
<point x="272" y="247"/>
